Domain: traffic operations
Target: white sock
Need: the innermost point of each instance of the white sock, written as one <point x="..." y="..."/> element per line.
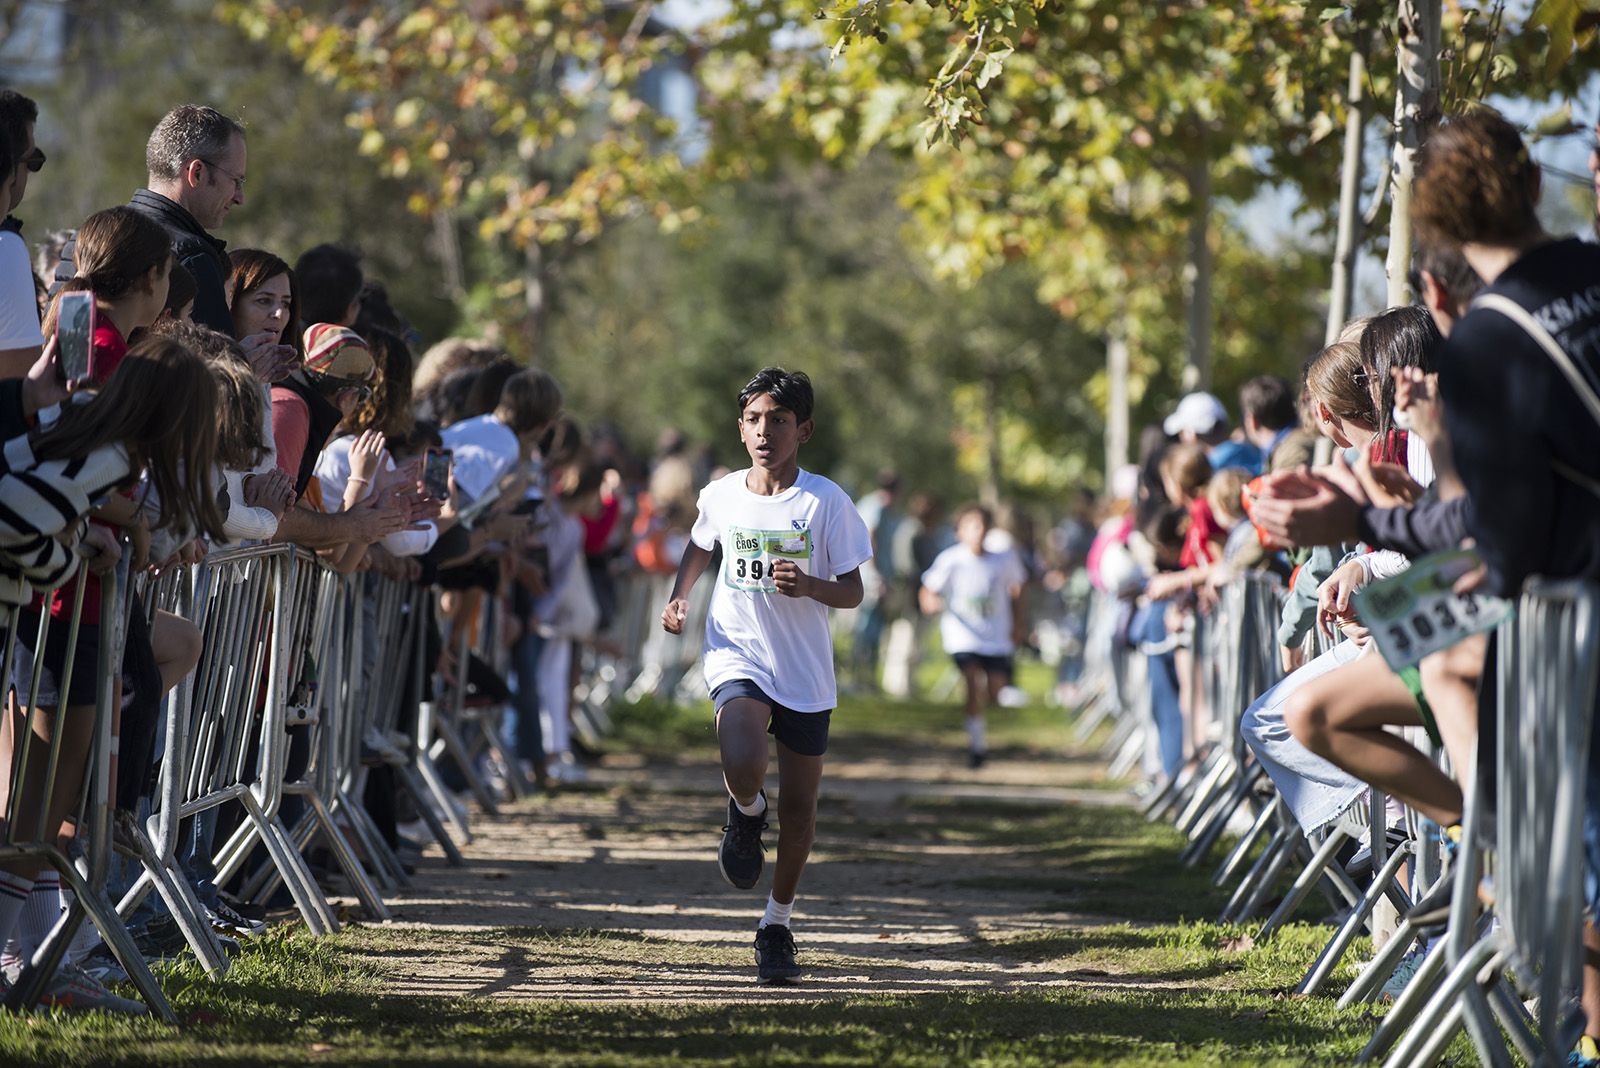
<point x="13" y="896"/>
<point x="776" y="913"/>
<point x="88" y="936"/>
<point x="975" y="734"/>
<point x="39" y="915"/>
<point x="756" y="809"/>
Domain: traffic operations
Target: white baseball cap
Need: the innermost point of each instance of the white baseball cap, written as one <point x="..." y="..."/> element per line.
<point x="1199" y="413"/>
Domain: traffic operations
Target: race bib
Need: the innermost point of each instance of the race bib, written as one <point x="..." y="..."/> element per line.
<point x="751" y="554"/>
<point x="1417" y="613"/>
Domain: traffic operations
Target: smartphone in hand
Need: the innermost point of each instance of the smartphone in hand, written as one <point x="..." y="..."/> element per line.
<point x="74" y="334"/>
<point x="436" y="474"/>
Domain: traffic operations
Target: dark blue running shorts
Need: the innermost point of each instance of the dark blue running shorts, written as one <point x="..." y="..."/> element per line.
<point x="805" y="733"/>
<point x="994" y="665"/>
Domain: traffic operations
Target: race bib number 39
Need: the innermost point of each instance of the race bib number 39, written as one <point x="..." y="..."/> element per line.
<point x="1417" y="612"/>
<point x="751" y="554"/>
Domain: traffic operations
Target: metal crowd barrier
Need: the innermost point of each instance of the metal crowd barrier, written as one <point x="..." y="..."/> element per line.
<point x="26" y="834"/>
<point x="1548" y="660"/>
<point x="256" y="608"/>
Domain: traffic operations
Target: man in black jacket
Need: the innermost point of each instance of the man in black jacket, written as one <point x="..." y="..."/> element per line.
<point x="196" y="162"/>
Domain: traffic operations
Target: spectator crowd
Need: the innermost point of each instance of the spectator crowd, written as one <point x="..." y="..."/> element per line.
<point x="227" y="397"/>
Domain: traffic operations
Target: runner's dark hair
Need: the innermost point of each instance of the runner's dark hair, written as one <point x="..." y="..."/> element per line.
<point x="789" y="389"/>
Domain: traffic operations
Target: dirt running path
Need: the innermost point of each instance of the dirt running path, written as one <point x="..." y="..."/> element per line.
<point x="612" y="894"/>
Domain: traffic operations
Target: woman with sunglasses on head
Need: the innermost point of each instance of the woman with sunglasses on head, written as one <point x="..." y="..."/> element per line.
<point x="356" y="466"/>
<point x="307" y="407"/>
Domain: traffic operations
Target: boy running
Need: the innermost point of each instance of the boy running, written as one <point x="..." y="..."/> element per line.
<point x="980" y="596"/>
<point x="792" y="547"/>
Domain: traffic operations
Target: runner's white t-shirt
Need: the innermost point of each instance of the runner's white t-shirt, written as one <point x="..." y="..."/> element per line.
<point x="977" y="599"/>
<point x="780" y="643"/>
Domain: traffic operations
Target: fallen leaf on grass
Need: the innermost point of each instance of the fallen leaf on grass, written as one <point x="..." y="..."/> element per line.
<point x="321" y="1047"/>
<point x="1241" y="944"/>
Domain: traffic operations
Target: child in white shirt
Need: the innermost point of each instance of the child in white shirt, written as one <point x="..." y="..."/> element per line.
<point x="792" y="547"/>
<point x="977" y="595"/>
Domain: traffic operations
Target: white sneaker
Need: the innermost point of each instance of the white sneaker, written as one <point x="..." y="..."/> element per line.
<point x="1012" y="697"/>
<point x="565" y="769"/>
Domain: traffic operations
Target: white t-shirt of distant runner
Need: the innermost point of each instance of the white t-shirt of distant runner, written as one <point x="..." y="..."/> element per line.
<point x="781" y="644"/>
<point x="977" y="599"/>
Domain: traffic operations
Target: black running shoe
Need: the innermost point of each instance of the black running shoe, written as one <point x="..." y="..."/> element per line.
<point x="775" y="955"/>
<point x="976" y="758"/>
<point x="741" y="854"/>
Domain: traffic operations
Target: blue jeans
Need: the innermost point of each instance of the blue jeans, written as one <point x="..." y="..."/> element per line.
<point x="1150" y="625"/>
<point x="525" y="694"/>
<point x="195" y="853"/>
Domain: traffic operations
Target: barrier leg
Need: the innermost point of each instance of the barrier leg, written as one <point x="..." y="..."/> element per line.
<point x="360" y="881"/>
<point x="1293" y="847"/>
<point x="1336" y="948"/>
<point x="1210" y="830"/>
<point x="91" y="903"/>
<point x="386" y="866"/>
<point x="412" y="783"/>
<point x="176" y="893"/>
<point x="1306" y="882"/>
<point x="313" y="907"/>
<point x="431" y="777"/>
<point x="1439" y="1020"/>
<point x="1236" y="856"/>
<point x="1412" y="1002"/>
<point x="1283" y="838"/>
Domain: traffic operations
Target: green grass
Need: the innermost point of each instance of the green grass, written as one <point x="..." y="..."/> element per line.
<point x="1139" y="975"/>
<point x="658" y="727"/>
<point x="294" y="999"/>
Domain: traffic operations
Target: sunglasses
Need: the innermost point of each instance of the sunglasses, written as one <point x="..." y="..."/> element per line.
<point x="334" y="384"/>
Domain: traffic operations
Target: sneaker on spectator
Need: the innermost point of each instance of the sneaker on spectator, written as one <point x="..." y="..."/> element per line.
<point x="1403" y="974"/>
<point x="76" y="990"/>
<point x="1359" y="866"/>
<point x="102" y="964"/>
<point x="159" y="939"/>
<point x="566" y="769"/>
<point x="248" y="909"/>
<point x="226" y="921"/>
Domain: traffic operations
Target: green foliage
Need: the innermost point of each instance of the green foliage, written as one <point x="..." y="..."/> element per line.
<point x="524" y="118"/>
<point x="127" y="64"/>
<point x="807" y="269"/>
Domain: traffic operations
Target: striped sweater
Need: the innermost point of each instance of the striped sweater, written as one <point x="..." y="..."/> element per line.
<point x="43" y="504"/>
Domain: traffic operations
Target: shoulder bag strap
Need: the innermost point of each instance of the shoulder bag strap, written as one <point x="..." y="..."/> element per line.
<point x="1519" y="315"/>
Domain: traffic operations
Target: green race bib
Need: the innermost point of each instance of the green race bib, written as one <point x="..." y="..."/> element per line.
<point x="751" y="554"/>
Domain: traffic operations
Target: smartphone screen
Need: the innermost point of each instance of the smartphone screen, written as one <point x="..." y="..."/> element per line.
<point x="74" y="333"/>
<point x="436" y="474"/>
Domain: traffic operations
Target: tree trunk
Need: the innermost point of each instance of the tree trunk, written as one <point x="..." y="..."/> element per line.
<point x="1116" y="397"/>
<point x="991" y="434"/>
<point x="1197" y="279"/>
<point x="1349" y="232"/>
<point x="535" y="297"/>
<point x="1416" y="107"/>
